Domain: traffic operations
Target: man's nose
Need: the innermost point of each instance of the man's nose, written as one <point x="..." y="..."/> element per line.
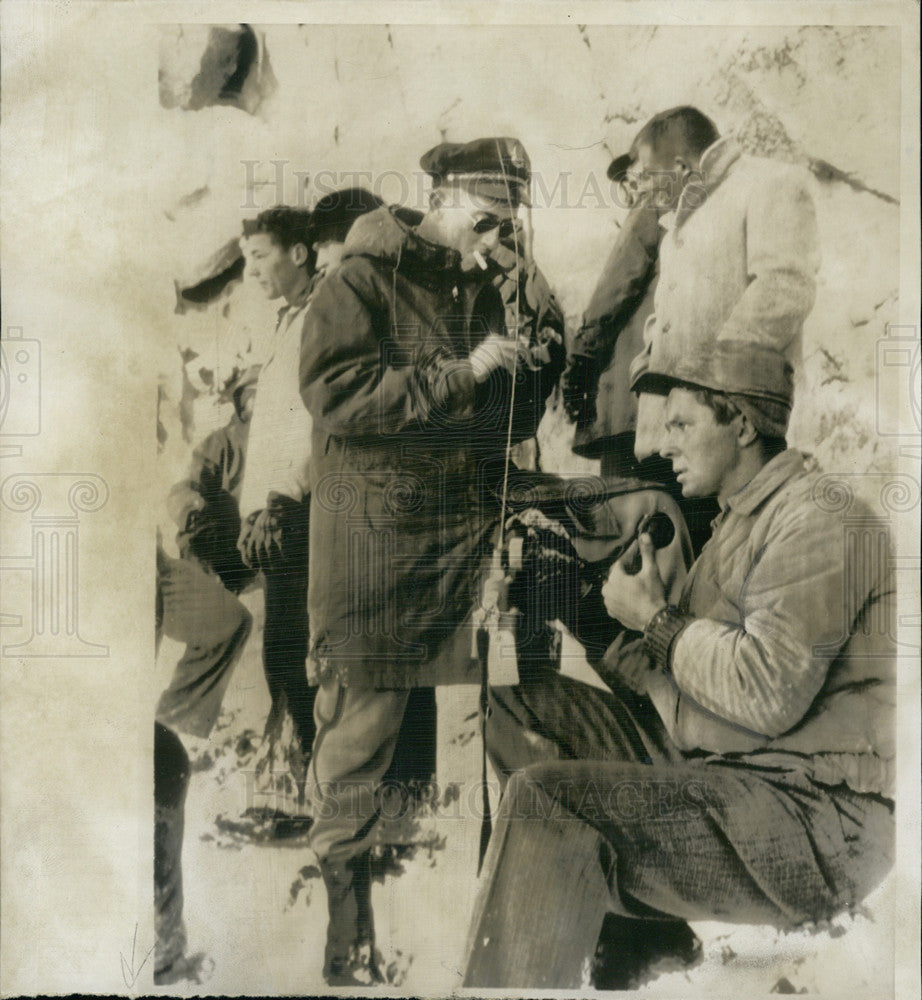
<point x="491" y="239"/>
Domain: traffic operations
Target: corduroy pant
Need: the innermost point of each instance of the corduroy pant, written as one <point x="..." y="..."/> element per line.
<point x="749" y="839"/>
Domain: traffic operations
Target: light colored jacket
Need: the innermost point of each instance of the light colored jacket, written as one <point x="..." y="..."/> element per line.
<point x="791" y="647"/>
<point x="738" y="262"/>
<point x="279" y="450"/>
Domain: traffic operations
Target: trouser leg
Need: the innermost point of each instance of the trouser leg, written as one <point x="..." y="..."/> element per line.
<point x="192" y="702"/>
<point x="553" y="717"/>
<point x="199" y="611"/>
<point x="285" y="644"/>
<point x="550" y="717"/>
<point x="698" y="841"/>
<point x="414" y="761"/>
<point x="171" y="782"/>
<point x="357" y="732"/>
<point x="543" y="896"/>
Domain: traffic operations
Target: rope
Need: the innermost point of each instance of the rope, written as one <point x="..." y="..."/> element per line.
<point x="483" y="635"/>
<point x="515" y="359"/>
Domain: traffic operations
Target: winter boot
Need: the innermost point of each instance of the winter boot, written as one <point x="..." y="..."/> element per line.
<point x="171" y="781"/>
<point x="628" y="949"/>
<point x="350" y="959"/>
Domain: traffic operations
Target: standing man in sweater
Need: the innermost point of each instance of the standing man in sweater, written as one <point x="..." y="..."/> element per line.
<point x="275" y="497"/>
<point x="289" y="252"/>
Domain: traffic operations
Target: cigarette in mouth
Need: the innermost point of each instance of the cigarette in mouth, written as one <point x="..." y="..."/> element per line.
<point x="481" y="262"/>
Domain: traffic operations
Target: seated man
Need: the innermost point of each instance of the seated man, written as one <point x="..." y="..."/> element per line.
<point x="772" y="675"/>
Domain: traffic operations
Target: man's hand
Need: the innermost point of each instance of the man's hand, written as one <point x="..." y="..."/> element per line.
<point x="259" y="543"/>
<point x="634" y="600"/>
<point x="497" y="352"/>
<point x="579" y="385"/>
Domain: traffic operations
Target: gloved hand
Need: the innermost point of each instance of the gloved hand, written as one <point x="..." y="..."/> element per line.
<point x="260" y="541"/>
<point x="578" y="386"/>
<point x="496" y="352"/>
<point x="547" y="584"/>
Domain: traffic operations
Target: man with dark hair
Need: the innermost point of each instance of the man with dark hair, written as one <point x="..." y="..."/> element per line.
<point x="676" y="133"/>
<point x="771" y="800"/>
<point x="408" y="376"/>
<point x="286" y="228"/>
<point x="281" y="247"/>
<point x="331" y="220"/>
<point x="275" y="496"/>
<point x="672" y="139"/>
<point x="739" y="257"/>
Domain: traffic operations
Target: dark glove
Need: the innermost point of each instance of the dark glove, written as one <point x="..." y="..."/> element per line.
<point x="210" y="536"/>
<point x="546" y="587"/>
<point x="579" y="384"/>
<point x="277" y="535"/>
<point x="260" y="541"/>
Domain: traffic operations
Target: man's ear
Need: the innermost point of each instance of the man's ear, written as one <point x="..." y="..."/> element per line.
<point x="746" y="434"/>
<point x="684" y="167"/>
<point x="298" y="254"/>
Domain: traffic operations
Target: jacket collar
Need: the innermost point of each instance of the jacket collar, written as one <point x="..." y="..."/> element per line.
<point x="389" y="234"/>
<point x="716" y="163"/>
<point x="766" y="482"/>
<point x="290" y="308"/>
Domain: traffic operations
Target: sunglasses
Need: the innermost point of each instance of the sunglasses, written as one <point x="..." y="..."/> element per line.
<point x="488" y="222"/>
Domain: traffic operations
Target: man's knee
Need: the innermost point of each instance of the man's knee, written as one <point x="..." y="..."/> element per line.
<point x="529" y="794"/>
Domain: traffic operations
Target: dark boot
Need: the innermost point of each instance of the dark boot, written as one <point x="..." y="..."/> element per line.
<point x="171" y="781"/>
<point x="627" y="949"/>
<point x="349" y="959"/>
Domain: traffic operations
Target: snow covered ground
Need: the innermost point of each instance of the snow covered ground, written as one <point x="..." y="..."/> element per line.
<point x="778" y="89"/>
<point x="256" y="907"/>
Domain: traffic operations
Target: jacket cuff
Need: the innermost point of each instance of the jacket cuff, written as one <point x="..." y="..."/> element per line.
<point x="454" y="387"/>
<point x="584" y="342"/>
<point x="661" y="633"/>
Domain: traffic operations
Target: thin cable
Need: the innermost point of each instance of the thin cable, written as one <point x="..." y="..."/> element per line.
<point x="515" y="359"/>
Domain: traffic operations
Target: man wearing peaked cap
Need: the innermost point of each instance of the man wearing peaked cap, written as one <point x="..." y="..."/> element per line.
<point x="774" y="677"/>
<point x="496" y="172"/>
<point x="496" y="168"/>
<point x="407" y="371"/>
